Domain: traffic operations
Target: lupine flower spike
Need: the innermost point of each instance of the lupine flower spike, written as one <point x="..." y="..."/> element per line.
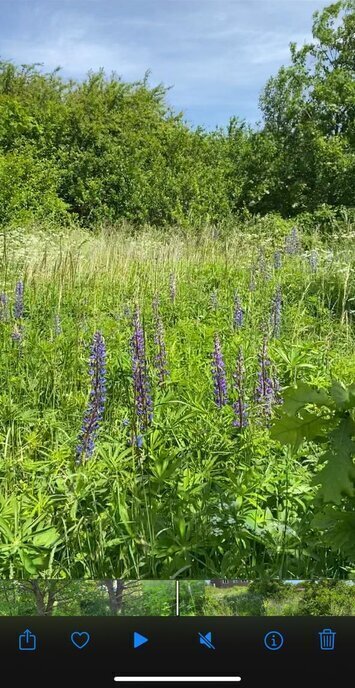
<point x="18" y="305"/>
<point x="277" y="260"/>
<point x="238" y="314"/>
<point x="239" y="406"/>
<point x="96" y="405"/>
<point x="276" y="312"/>
<point x="264" y="392"/>
<point x="292" y="242"/>
<point x="219" y="374"/>
<point x="141" y="386"/>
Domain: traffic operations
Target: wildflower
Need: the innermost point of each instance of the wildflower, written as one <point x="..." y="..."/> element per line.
<point x="292" y="242"/>
<point x="18" y="306"/>
<point x="218" y="374"/>
<point x="264" y="393"/>
<point x="277" y="260"/>
<point x="262" y="265"/>
<point x="276" y="312"/>
<point x="96" y="405"/>
<point x="238" y="314"/>
<point x="159" y="341"/>
<point x="17" y="334"/>
<point x="313" y="260"/>
<point x="141" y="386"/>
<point x="172" y="287"/>
<point x="239" y="406"/>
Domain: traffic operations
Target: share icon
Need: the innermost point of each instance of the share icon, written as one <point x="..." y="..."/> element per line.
<point x="206" y="640"/>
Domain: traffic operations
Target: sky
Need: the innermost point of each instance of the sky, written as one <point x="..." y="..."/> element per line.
<point x="216" y="55"/>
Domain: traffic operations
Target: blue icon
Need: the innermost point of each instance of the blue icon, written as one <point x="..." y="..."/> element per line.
<point x="327" y="639"/>
<point x="274" y="640"/>
<point x="139" y="639"/>
<point x="207" y="640"/>
<point x="27" y="641"/>
<point x="80" y="639"/>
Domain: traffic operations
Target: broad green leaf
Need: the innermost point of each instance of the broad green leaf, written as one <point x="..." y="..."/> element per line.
<point x="340" y="394"/>
<point x="339" y="528"/>
<point x="296" y="398"/>
<point x="294" y="430"/>
<point x="337" y="478"/>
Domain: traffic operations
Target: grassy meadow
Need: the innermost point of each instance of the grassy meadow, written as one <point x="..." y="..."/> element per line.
<point x="186" y="482"/>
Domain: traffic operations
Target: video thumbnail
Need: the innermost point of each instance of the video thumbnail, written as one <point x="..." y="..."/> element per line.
<point x="47" y="598"/>
<point x="267" y="598"/>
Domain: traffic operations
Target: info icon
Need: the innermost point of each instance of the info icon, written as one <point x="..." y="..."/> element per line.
<point x="273" y="640"/>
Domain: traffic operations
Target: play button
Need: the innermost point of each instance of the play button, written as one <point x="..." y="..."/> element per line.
<point x="139" y="640"/>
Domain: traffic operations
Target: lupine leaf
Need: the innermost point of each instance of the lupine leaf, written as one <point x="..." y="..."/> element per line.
<point x="337" y="478"/>
<point x="294" y="430"/>
<point x="296" y="398"/>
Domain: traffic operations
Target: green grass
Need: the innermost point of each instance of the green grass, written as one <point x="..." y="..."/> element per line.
<point x="200" y="499"/>
<point x="310" y="598"/>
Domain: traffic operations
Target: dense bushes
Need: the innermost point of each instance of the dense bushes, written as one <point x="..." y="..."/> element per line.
<point x="104" y="150"/>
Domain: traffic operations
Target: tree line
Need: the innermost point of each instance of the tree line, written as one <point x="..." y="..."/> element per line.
<point x="104" y="150"/>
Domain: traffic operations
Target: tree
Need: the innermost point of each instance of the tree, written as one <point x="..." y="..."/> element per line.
<point x="309" y="110"/>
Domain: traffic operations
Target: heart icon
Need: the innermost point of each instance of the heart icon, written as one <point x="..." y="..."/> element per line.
<point x="80" y="639"/>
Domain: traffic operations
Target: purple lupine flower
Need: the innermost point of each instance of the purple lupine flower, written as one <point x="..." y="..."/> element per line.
<point x="219" y="374"/>
<point x="292" y="242"/>
<point x="17" y="334"/>
<point x="239" y="406"/>
<point x="313" y="260"/>
<point x="172" y="287"/>
<point x="141" y="387"/>
<point x="238" y="313"/>
<point x="214" y="299"/>
<point x="277" y="260"/>
<point x="160" y="358"/>
<point x="96" y="404"/>
<point x="262" y="265"/>
<point x="276" y="308"/>
<point x="18" y="305"/>
<point x="264" y="392"/>
<point x="57" y="325"/>
<point x="4" y="310"/>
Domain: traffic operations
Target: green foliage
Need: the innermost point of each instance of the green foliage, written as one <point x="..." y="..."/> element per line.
<point x="201" y="498"/>
<point x="106" y="151"/>
<point x="327" y="598"/>
<point x="330" y="423"/>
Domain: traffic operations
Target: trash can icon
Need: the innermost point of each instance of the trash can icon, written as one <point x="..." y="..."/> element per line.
<point x="327" y="639"/>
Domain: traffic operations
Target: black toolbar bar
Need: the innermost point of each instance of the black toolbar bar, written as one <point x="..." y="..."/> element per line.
<point x="109" y="651"/>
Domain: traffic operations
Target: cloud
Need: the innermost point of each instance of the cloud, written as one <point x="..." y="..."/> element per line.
<point x="217" y="54"/>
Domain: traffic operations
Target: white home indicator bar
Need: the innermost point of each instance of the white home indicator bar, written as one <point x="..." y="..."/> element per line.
<point x="177" y="679"/>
